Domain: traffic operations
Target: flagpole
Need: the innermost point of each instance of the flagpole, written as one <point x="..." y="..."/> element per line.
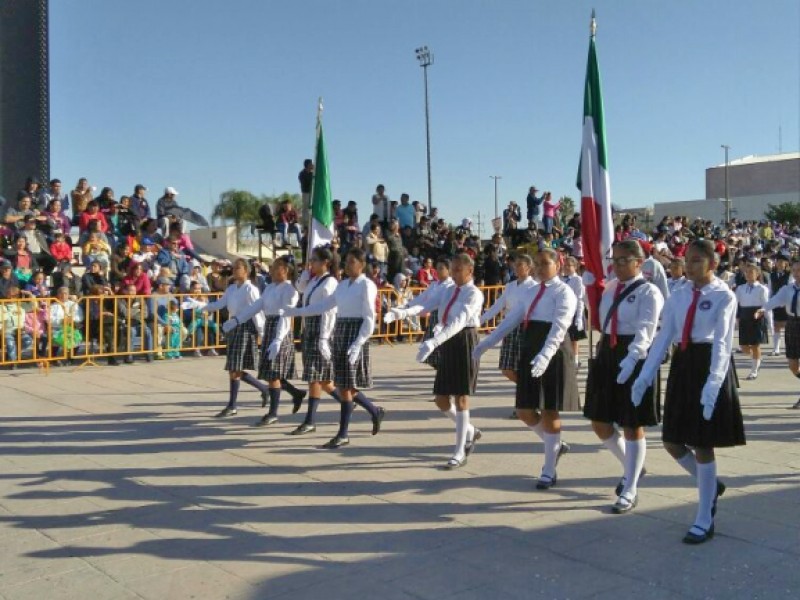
<point x="310" y="223"/>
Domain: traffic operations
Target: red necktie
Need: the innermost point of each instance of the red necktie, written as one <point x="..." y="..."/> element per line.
<point x="533" y="305"/>
<point x="617" y="293"/>
<point x="689" y="322"/>
<point x="449" y="304"/>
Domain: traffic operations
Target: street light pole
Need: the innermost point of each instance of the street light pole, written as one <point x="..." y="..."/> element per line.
<point x="727" y="195"/>
<point x="496" y="210"/>
<point x="425" y="58"/>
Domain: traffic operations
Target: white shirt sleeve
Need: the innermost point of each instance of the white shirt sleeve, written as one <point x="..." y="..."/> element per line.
<point x="289" y="297"/>
<point x="562" y="318"/>
<point x="368" y="298"/>
<point x="258" y="318"/>
<point x="317" y="308"/>
<point x="723" y="344"/>
<point x="649" y="310"/>
<point x="220" y="302"/>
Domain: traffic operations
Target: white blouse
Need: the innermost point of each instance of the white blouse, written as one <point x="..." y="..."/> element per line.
<point x="637" y="314"/>
<point x="750" y="295"/>
<point x="464" y="312"/>
<point x="714" y="323"/>
<point x="784" y="297"/>
<point x="274" y="298"/>
<point x="352" y="299"/>
<point x="236" y="298"/>
<point x="557" y="306"/>
<point x="508" y="299"/>
<point x="575" y="283"/>
<point x="428" y="300"/>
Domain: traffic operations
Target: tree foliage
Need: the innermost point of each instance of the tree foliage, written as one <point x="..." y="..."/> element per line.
<point x="788" y="212"/>
<point x="567" y="207"/>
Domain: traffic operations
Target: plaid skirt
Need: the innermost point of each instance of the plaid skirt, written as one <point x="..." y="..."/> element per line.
<point x="433" y="321"/>
<point x="242" y="349"/>
<point x="347" y="376"/>
<point x="509" y="351"/>
<point x="792" y="333"/>
<point x="283" y="365"/>
<point x="683" y="413"/>
<point x="315" y="367"/>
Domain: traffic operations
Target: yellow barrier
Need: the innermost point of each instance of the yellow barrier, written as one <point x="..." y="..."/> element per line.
<point x="41" y="331"/>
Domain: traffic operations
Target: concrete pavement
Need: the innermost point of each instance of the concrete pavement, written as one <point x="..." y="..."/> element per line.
<point x="117" y="482"/>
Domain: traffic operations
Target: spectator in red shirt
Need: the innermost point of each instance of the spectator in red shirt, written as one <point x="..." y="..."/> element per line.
<point x="92" y="213"/>
<point x="137" y="277"/>
<point x="60" y="250"/>
<point x="427" y="274"/>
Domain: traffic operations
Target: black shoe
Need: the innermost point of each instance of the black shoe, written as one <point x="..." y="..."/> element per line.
<point x="264" y="399"/>
<point x="455" y="463"/>
<point x="545" y="482"/>
<point x="266" y="420"/>
<point x="796" y="405"/>
<point x="303" y="429"/>
<point x="377" y="420"/>
<point x="621" y="484"/>
<point x="564" y="449"/>
<point x="336" y="442"/>
<point x="698" y="538"/>
<point x="471" y="443"/>
<point x="624" y="505"/>
<point x="149" y="358"/>
<point x="721" y="487"/>
<point x="113" y="362"/>
<point x="297" y="401"/>
<point x="226" y="412"/>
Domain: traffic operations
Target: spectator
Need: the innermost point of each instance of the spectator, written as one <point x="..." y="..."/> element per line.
<point x="137" y="278"/>
<point x="413" y="262"/>
<point x="23" y="261"/>
<point x="174" y="331"/>
<point x="373" y="219"/>
<point x="32" y="189"/>
<point x="37" y="245"/>
<point x="217" y="282"/>
<point x="93" y="277"/>
<point x="306" y="179"/>
<point x="397" y="252"/>
<point x="164" y="208"/>
<point x="377" y="248"/>
<point x="200" y="325"/>
<point x="12" y="316"/>
<point x="172" y="257"/>
<point x="127" y="225"/>
<point x="56" y="220"/>
<point x="81" y="196"/>
<point x="492" y="267"/>
<point x="198" y="278"/>
<point x="66" y="316"/>
<point x="96" y="250"/>
<point x="105" y="199"/>
<point x="381" y="206"/>
<point x="427" y="274"/>
<point x="103" y="326"/>
<point x="54" y="192"/>
<point x="7" y="277"/>
<point x="405" y="213"/>
<point x="267" y="219"/>
<point x="92" y="213"/>
<point x="533" y="203"/>
<point x="511" y="219"/>
<point x="15" y="217"/>
<point x="37" y="286"/>
<point x="64" y="277"/>
<point x="134" y="311"/>
<point x="287" y="221"/>
<point x="549" y="210"/>
<point x="120" y="263"/>
<point x="404" y="295"/>
<point x="140" y="207"/>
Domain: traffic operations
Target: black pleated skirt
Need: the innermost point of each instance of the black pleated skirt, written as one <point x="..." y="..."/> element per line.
<point x="609" y="402"/>
<point x="683" y="413"/>
<point x="345" y="375"/>
<point x="242" y="349"/>
<point x="457" y="373"/>
<point x="315" y="366"/>
<point x="433" y="321"/>
<point x="557" y="389"/>
<point x="752" y="331"/>
<point x="283" y="365"/>
<point x="792" y="333"/>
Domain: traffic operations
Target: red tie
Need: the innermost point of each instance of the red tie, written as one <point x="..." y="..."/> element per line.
<point x="533" y="305"/>
<point x="617" y="292"/>
<point x="449" y="304"/>
<point x="689" y="322"/>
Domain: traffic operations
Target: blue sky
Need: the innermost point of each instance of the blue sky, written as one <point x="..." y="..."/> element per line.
<point x="205" y="95"/>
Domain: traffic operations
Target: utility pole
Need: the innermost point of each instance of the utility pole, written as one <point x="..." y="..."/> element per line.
<point x="727" y="194"/>
<point x="496" y="208"/>
<point x="425" y="58"/>
<point x="479" y="221"/>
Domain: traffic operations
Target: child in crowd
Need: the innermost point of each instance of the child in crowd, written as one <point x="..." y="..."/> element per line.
<point x="60" y="249"/>
<point x="37" y="285"/>
<point x="96" y="250"/>
<point x="174" y="331"/>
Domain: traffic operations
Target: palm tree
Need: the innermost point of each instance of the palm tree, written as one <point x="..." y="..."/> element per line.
<point x="239" y="206"/>
<point x="567" y="208"/>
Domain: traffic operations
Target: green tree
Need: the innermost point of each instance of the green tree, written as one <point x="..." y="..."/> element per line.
<point x="239" y="206"/>
<point x="567" y="208"/>
<point x="788" y="212"/>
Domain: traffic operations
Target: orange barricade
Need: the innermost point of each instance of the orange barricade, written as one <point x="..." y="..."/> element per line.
<point x="41" y="331"/>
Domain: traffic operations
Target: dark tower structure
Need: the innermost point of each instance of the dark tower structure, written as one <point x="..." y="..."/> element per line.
<point x="24" y="94"/>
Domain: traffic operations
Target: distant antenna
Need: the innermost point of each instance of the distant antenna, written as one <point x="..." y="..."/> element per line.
<point x="780" y="140"/>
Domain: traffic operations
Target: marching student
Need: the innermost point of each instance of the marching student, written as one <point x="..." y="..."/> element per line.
<point x="513" y="292"/>
<point x="701" y="406"/>
<point x="455" y="337"/>
<point x="629" y="312"/>
<point x="676" y="275"/>
<point x="316" y="284"/>
<point x="546" y="379"/>
<point x="277" y="350"/>
<point x="779" y="277"/>
<point x="750" y="297"/>
<point x="788" y="297"/>
<point x="577" y="330"/>
<point x="426" y="302"/>
<point x="354" y="300"/>
<point x="242" y="340"/>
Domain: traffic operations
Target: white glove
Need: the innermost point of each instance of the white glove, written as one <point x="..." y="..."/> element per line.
<point x="229" y="325"/>
<point x="425" y="350"/>
<point x="579" y="324"/>
<point x="539" y="365"/>
<point x="437" y="329"/>
<point x="708" y="399"/>
<point x="204" y="308"/>
<point x="353" y="352"/>
<point x="626" y="367"/>
<point x="393" y="314"/>
<point x="273" y="349"/>
<point x="478" y="351"/>
<point x="325" y="348"/>
<point x="637" y="391"/>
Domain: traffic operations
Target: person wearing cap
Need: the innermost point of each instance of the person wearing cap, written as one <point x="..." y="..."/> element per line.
<point x="7" y="277"/>
<point x="139" y="204"/>
<point x="163" y="206"/>
<point x="532" y="204"/>
<point x="173" y="257"/>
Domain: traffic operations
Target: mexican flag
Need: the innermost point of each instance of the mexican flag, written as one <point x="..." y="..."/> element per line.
<point x="597" y="225"/>
<point x="321" y="232"/>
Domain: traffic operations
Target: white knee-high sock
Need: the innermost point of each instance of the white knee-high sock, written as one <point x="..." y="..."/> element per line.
<point x="462" y="427"/>
<point x="776" y="341"/>
<point x="689" y="463"/>
<point x="635" y="452"/>
<point x="538" y="429"/>
<point x="451" y="414"/>
<point x="706" y="491"/>
<point x="552" y="444"/>
<point x="756" y="364"/>
<point x="616" y="445"/>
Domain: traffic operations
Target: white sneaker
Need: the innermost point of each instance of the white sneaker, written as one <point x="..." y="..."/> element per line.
<point x="752" y="375"/>
<point x="774" y="353"/>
